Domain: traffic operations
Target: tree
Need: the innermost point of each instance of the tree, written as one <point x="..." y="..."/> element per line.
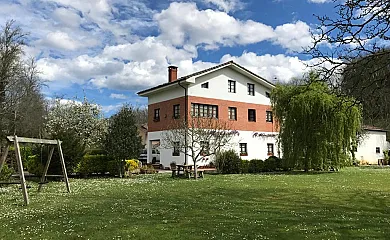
<point x="198" y="137"/>
<point x="123" y="140"/>
<point x="79" y="125"/>
<point x="360" y="30"/>
<point x="317" y="127"/>
<point x="22" y="106"/>
<point x="368" y="82"/>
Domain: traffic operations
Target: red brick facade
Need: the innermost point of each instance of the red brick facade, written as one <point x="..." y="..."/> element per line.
<point x="242" y="123"/>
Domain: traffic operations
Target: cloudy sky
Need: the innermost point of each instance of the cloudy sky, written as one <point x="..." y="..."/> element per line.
<point x="110" y="49"/>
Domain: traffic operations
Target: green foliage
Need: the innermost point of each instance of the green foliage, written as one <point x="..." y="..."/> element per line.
<point x="34" y="165"/>
<point x="113" y="167"/>
<point x="244" y="167"/>
<point x="93" y="164"/>
<point x="123" y="140"/>
<point x="316" y="126"/>
<point x="228" y="162"/>
<point x="256" y="166"/>
<point x="6" y="172"/>
<point x="270" y="164"/>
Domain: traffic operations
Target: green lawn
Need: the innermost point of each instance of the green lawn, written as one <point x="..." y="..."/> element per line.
<point x="351" y="204"/>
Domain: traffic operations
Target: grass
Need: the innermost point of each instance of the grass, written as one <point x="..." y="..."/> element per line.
<point x="350" y="204"/>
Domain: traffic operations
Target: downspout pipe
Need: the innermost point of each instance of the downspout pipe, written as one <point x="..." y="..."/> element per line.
<point x="185" y="119"/>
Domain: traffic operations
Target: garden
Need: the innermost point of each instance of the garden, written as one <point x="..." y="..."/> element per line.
<point x="349" y="204"/>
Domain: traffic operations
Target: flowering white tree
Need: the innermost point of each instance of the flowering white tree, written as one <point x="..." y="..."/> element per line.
<point x="85" y="119"/>
<point x="79" y="125"/>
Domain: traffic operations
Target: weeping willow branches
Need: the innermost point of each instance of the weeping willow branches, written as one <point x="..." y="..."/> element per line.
<point x="316" y="127"/>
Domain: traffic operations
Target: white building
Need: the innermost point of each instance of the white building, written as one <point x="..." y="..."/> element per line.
<point x="373" y="143"/>
<point x="231" y="92"/>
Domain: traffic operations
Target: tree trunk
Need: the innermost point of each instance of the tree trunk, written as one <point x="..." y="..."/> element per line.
<point x="195" y="171"/>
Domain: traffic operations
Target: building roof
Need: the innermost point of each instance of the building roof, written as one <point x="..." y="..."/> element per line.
<point x="373" y="128"/>
<point x="181" y="79"/>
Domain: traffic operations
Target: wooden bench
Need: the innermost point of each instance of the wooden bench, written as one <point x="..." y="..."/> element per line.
<point x="200" y="172"/>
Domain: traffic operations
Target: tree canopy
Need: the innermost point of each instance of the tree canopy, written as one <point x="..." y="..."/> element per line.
<point x="317" y="127"/>
<point x="123" y="140"/>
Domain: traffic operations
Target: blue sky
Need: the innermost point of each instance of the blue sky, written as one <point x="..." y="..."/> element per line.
<point x="108" y="50"/>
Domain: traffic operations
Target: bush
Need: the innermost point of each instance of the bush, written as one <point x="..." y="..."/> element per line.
<point x="148" y="170"/>
<point x="272" y="164"/>
<point x="228" y="162"/>
<point x="6" y="172"/>
<point x="244" y="168"/>
<point x="93" y="164"/>
<point x="34" y="165"/>
<point x="132" y="165"/>
<point x="256" y="166"/>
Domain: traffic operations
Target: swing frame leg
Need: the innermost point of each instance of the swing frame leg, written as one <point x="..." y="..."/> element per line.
<point x="63" y="165"/>
<point x="43" y="178"/>
<point x="4" y="157"/>
<point x="21" y="172"/>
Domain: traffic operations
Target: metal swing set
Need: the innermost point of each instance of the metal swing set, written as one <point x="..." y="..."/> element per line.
<point x="16" y="140"/>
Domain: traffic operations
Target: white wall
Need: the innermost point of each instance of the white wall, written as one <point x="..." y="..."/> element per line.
<point x="256" y="146"/>
<point x="170" y="93"/>
<point x="218" y="87"/>
<point x="367" y="148"/>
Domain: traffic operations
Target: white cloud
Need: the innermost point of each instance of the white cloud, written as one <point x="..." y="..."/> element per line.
<point x="67" y="17"/>
<point x="226" y="5"/>
<point x="184" y="24"/>
<point x="147" y="49"/>
<point x="110" y="108"/>
<point x="60" y="40"/>
<point x="118" y="96"/>
<point x="271" y="67"/>
<point x="293" y="36"/>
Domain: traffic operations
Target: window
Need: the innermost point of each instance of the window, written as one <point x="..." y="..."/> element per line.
<point x="232" y="86"/>
<point x="378" y="150"/>
<point x="251" y="115"/>
<point x="243" y="149"/>
<point x="269" y="117"/>
<point x="204" y="110"/>
<point x="176" y="150"/>
<point x="205" y="148"/>
<point x="156" y="117"/>
<point x="176" y="111"/>
<point x="251" y="89"/>
<point x="267" y="94"/>
<point x="270" y="148"/>
<point x="232" y="113"/>
<point x="204" y="85"/>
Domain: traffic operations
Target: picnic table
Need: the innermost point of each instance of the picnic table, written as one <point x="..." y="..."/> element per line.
<point x="186" y="169"/>
<point x="182" y="169"/>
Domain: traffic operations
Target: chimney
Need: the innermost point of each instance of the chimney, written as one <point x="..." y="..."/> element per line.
<point x="172" y="73"/>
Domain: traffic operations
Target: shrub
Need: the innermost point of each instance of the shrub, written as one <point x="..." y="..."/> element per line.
<point x="256" y="166"/>
<point x="6" y="172"/>
<point x="93" y="164"/>
<point x="34" y="165"/>
<point x="148" y="170"/>
<point x="228" y="162"/>
<point x="113" y="167"/>
<point x="131" y="165"/>
<point x="272" y="164"/>
<point x="244" y="168"/>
